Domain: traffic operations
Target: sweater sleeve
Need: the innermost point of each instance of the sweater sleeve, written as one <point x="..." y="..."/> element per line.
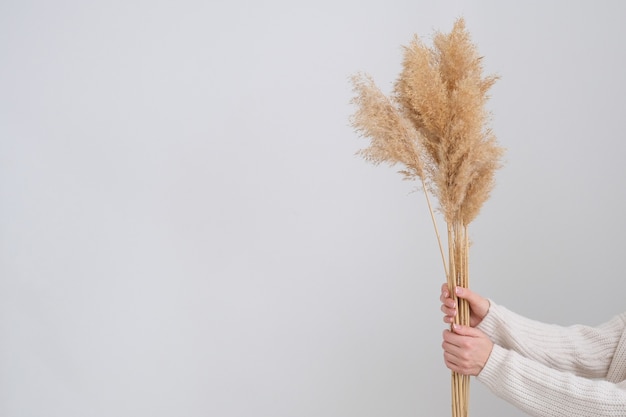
<point x="544" y="392"/>
<point x="582" y="350"/>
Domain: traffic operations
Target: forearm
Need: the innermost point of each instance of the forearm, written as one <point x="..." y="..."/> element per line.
<point x="544" y="392"/>
<point x="584" y="350"/>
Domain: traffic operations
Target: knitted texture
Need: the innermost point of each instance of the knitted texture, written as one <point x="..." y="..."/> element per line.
<point x="549" y="370"/>
<point x="617" y="371"/>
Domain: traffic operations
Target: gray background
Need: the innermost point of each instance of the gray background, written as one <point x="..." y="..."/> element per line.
<point x="185" y="230"/>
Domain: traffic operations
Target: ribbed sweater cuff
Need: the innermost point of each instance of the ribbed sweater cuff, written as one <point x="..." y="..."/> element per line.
<point x="489" y="375"/>
<point x="490" y="322"/>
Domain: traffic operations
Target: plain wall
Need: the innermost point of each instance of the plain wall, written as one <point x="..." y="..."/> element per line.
<point x="186" y="231"/>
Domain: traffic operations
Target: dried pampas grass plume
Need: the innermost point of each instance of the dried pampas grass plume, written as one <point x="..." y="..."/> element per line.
<point x="434" y="124"/>
<point x="393" y="138"/>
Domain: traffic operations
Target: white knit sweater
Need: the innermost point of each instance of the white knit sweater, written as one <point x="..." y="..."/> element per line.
<point x="548" y="370"/>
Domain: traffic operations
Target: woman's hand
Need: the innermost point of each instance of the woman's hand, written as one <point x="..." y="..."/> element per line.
<point x="479" y="306"/>
<point x="465" y="349"/>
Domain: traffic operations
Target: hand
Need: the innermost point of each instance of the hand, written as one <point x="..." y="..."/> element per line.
<point x="479" y="306"/>
<point x="466" y="350"/>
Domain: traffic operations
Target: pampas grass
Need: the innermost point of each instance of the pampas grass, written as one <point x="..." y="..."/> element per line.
<point x="434" y="125"/>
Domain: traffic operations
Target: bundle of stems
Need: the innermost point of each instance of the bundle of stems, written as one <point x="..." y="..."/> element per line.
<point x="434" y="124"/>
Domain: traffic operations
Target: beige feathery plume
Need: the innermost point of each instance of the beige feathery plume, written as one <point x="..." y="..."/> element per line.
<point x="435" y="125"/>
<point x="394" y="139"/>
<point x="442" y="91"/>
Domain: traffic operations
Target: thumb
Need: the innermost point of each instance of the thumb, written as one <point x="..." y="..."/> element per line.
<point x="467" y="294"/>
<point x="465" y="330"/>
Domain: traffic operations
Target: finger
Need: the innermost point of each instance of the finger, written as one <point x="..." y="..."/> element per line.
<point x="445" y="291"/>
<point x="467" y="294"/>
<point x="466" y="330"/>
<point x="445" y="297"/>
<point x="450" y="339"/>
<point x="450" y="361"/>
<point x="455" y="363"/>
<point x="449" y="313"/>
<point x="449" y="308"/>
<point x="452" y="349"/>
<point x="457" y="367"/>
<point x="445" y="294"/>
<point x="457" y="344"/>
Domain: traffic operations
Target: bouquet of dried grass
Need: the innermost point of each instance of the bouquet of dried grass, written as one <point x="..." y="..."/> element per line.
<point x="434" y="125"/>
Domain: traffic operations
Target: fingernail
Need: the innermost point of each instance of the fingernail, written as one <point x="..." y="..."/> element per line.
<point x="458" y="290"/>
<point x="455" y="326"/>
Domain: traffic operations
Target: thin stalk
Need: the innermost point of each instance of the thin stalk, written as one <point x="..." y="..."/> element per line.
<point x="452" y="271"/>
<point x="432" y="216"/>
